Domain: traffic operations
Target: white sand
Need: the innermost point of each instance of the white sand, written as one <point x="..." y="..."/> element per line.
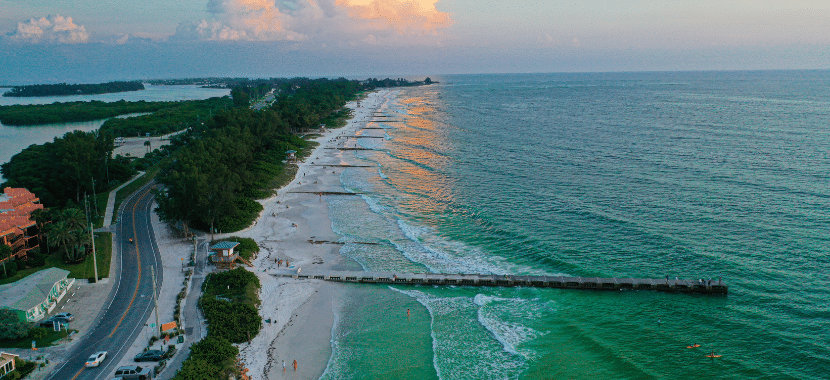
<point x="302" y="311"/>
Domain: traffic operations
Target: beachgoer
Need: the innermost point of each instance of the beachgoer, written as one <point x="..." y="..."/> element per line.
<point x="407" y="313"/>
<point x="283" y="365"/>
<point x="295" y="364"/>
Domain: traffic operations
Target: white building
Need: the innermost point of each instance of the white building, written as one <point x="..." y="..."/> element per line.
<point x="37" y="294"/>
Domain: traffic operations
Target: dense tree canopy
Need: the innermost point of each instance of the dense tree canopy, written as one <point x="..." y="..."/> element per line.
<point x="73" y="89"/>
<point x="175" y="116"/>
<point x="36" y="114"/>
<point x="61" y="171"/>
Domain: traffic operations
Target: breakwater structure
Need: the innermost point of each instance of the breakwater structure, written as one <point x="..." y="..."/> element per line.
<point x="699" y="286"/>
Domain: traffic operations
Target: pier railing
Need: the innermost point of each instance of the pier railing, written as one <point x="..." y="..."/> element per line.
<point x="559" y="282"/>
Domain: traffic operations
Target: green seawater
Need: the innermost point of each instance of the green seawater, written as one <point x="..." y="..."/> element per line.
<point x="695" y="175"/>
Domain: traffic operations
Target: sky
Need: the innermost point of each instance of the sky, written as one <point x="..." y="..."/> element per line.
<point x="47" y="41"/>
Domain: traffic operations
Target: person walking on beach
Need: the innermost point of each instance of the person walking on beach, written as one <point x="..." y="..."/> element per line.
<point x="283" y="365"/>
<point x="295" y="365"/>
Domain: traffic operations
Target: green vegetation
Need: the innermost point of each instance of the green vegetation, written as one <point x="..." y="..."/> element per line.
<point x="175" y="116"/>
<point x="246" y="248"/>
<point x="73" y="89"/>
<point x="62" y="171"/>
<point x="210" y="358"/>
<point x="45" y="341"/>
<point x="211" y="182"/>
<point x="84" y="270"/>
<point x="36" y="114"/>
<point x="22" y="369"/>
<point x="229" y="302"/>
<point x="337" y="119"/>
<point x="11" y="327"/>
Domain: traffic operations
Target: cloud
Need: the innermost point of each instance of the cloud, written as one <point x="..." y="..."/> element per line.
<point x="50" y="29"/>
<point x="404" y="16"/>
<point x="343" y="21"/>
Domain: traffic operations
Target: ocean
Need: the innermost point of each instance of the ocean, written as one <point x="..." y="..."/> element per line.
<point x="700" y="175"/>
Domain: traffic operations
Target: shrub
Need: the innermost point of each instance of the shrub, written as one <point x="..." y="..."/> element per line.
<point x="38" y="332"/>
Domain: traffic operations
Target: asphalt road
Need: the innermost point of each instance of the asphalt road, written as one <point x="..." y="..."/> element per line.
<point x="131" y="299"/>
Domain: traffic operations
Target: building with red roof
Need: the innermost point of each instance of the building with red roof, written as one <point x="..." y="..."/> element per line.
<point x="17" y="229"/>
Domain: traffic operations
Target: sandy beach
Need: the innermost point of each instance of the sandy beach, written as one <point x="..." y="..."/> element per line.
<point x="302" y="313"/>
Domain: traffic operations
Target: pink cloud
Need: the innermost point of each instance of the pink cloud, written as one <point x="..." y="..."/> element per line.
<point x="349" y="21"/>
<point x="413" y="16"/>
<point x="50" y="29"/>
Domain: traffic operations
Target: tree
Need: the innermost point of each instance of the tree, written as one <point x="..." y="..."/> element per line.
<point x="42" y="216"/>
<point x="59" y="234"/>
<point x="148" y="145"/>
<point x="74" y="218"/>
<point x="5" y="253"/>
<point x="80" y="240"/>
<point x="11" y="327"/>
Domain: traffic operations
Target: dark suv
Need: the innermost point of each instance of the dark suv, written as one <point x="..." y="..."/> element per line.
<point x="134" y="372"/>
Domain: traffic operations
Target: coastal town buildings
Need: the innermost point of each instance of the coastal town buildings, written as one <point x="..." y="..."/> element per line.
<point x="37" y="294"/>
<point x="7" y="363"/>
<point x="17" y="229"/>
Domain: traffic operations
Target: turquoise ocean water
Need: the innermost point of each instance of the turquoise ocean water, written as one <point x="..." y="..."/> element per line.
<point x="696" y="175"/>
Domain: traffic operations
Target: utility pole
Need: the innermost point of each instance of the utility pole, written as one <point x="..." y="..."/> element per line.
<point x="94" y="256"/>
<point x="86" y="208"/>
<point x="94" y="198"/>
<point x="155" y="299"/>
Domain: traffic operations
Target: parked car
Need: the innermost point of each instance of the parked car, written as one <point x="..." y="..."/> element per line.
<point x="150" y="356"/>
<point x="67" y="316"/>
<point x="134" y="372"/>
<point x="51" y="322"/>
<point x="96" y="359"/>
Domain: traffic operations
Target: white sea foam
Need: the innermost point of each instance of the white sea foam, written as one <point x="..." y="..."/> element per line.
<point x="455" y="335"/>
<point x="509" y="334"/>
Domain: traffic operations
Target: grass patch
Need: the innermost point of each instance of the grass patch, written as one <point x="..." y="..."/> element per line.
<point x="102" y="199"/>
<point x="246" y="248"/>
<point x="83" y="270"/>
<point x="126" y="191"/>
<point x="337" y="119"/>
<point x="285" y="177"/>
<point x="26" y="343"/>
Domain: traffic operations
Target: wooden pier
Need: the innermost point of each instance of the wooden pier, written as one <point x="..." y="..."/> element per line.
<point x="556" y="282"/>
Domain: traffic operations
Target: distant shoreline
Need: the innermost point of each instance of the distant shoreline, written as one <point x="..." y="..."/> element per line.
<point x="63" y="89"/>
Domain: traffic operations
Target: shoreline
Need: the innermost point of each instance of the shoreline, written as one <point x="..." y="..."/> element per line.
<point x="302" y="314"/>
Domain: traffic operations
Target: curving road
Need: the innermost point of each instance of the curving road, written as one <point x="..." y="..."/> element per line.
<point x="130" y="301"/>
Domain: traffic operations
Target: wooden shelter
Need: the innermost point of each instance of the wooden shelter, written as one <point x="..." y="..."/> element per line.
<point x="223" y="254"/>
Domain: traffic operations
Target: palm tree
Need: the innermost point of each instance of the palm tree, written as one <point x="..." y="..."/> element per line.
<point x="5" y="253"/>
<point x="80" y="240"/>
<point x="42" y="216"/>
<point x="59" y="234"/>
<point x="75" y="219"/>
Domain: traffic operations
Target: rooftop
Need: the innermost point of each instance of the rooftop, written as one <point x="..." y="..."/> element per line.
<point x="31" y="290"/>
<point x="224" y="245"/>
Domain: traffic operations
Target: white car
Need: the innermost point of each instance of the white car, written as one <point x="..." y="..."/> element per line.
<point x="96" y="359"/>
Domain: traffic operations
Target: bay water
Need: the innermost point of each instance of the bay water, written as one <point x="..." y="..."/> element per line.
<point x="700" y="175"/>
<point x="14" y="139"/>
